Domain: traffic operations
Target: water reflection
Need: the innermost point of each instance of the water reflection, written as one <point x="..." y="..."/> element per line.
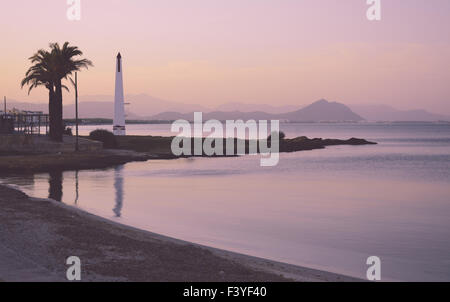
<point x="76" y="188"/>
<point x="329" y="209"/>
<point x="118" y="185"/>
<point x="55" y="181"/>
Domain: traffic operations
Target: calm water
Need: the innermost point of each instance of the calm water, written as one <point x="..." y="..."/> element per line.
<point x="329" y="209"/>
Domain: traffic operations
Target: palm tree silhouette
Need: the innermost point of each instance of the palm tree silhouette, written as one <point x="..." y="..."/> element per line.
<point x="65" y="65"/>
<point x="41" y="74"/>
<point x="49" y="69"/>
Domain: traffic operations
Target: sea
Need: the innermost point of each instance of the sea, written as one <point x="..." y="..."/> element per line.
<point x="329" y="209"/>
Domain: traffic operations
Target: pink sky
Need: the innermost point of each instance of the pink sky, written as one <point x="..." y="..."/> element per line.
<point x="254" y="51"/>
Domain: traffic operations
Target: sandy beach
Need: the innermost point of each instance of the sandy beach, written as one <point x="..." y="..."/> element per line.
<point x="37" y="236"/>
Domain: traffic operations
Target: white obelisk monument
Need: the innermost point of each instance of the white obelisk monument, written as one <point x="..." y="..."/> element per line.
<point x="119" y="102"/>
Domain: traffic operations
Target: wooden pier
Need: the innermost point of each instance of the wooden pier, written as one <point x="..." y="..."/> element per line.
<point x="25" y="123"/>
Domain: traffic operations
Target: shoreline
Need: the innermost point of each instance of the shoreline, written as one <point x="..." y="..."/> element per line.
<point x="68" y="161"/>
<point x="117" y="252"/>
<point x="145" y="256"/>
<point x="139" y="148"/>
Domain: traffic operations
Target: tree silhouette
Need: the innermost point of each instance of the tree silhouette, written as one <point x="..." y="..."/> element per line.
<point x="65" y="65"/>
<point x="49" y="69"/>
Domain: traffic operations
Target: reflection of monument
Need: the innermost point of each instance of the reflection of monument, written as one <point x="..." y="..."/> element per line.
<point x="119" y="102"/>
<point x="55" y="190"/>
<point x="118" y="185"/>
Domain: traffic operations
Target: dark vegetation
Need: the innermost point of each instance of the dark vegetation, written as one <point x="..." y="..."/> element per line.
<point x="160" y="147"/>
<point x="106" y="137"/>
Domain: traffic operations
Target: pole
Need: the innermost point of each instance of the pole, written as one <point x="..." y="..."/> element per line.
<point x="76" y="112"/>
<point x="4" y="101"/>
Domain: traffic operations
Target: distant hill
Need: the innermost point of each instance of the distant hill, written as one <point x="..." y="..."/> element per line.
<point x="26" y="106"/>
<point x="140" y="105"/>
<point x="215" y="115"/>
<point x="95" y="110"/>
<point x="145" y="107"/>
<point x="235" y="106"/>
<point x="86" y="109"/>
<point x="102" y="106"/>
<point x="319" y="111"/>
<point x="389" y="114"/>
<point x="322" y="110"/>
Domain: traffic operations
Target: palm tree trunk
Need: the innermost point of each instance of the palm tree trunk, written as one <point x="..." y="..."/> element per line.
<point x="51" y="112"/>
<point x="58" y="108"/>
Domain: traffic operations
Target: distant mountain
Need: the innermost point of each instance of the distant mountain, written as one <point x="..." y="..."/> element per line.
<point x="319" y="111"/>
<point x="145" y="107"/>
<point x="95" y="110"/>
<point x="214" y="115"/>
<point x="322" y="110"/>
<point x="140" y="106"/>
<point x="86" y="109"/>
<point x="234" y="106"/>
<point x="389" y="114"/>
<point x="26" y="106"/>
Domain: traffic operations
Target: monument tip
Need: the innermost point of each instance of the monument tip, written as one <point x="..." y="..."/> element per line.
<point x="119" y="56"/>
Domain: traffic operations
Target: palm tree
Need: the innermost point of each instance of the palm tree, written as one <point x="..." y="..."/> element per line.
<point x="49" y="69"/>
<point x="65" y="65"/>
<point x="41" y="74"/>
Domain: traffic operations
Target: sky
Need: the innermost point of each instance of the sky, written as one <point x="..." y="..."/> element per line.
<point x="210" y="52"/>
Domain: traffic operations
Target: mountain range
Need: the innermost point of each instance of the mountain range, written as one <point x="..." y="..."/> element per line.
<point x="319" y="111"/>
<point x="145" y="107"/>
<point x="390" y="114"/>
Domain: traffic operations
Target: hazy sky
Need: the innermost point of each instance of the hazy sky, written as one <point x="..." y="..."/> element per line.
<point x="254" y="51"/>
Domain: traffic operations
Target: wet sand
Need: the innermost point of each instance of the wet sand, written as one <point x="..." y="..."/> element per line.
<point x="37" y="236"/>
